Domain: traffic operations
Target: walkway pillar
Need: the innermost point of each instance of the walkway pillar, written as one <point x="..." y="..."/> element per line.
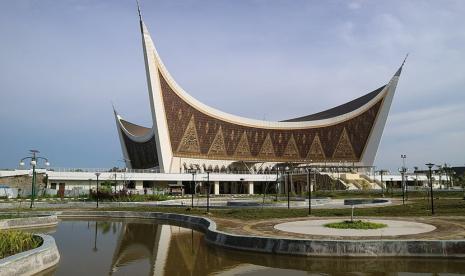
<point x="217" y="188"/>
<point x="286" y="183"/>
<point x="291" y="184"/>
<point x="139" y="185"/>
<point x="179" y="183"/>
<point x="250" y="188"/>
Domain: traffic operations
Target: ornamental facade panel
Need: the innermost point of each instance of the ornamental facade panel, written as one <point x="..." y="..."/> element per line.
<point x="193" y="133"/>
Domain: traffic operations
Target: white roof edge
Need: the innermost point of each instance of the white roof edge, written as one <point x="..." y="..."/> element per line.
<point x="234" y="119"/>
<point x="135" y="138"/>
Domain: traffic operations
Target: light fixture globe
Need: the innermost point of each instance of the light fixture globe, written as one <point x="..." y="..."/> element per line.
<point x="47" y="164"/>
<point x="21" y="164"/>
<point x="33" y="163"/>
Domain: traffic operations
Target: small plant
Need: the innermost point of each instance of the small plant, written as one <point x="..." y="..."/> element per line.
<point x="355" y="224"/>
<point x="13" y="242"/>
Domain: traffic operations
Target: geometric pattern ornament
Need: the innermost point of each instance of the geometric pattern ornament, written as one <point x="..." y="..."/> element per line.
<point x="316" y="151"/>
<point x="344" y="149"/>
<point x="243" y="148"/>
<point x="291" y="150"/>
<point x="218" y="146"/>
<point x="267" y="148"/>
<point x="190" y="140"/>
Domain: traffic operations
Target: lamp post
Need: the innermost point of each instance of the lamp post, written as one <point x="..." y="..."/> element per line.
<point x="277" y="185"/>
<point x="381" y="172"/>
<point x="97" y="174"/>
<point x="392" y="187"/>
<point x="430" y="165"/>
<point x="193" y="187"/>
<point x="34" y="158"/>
<point x="404" y="184"/>
<point x="288" y="190"/>
<point x="208" y="192"/>
<point x="309" y="193"/>
<point x="89" y="186"/>
<point x="115" y="182"/>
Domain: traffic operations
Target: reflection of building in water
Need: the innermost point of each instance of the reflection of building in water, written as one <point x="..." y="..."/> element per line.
<point x="138" y="241"/>
<point x="173" y="250"/>
<point x="170" y="250"/>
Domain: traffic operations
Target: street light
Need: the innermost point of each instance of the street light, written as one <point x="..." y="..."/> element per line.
<point x="309" y="192"/>
<point x="392" y="188"/>
<point x="97" y="174"/>
<point x="381" y="172"/>
<point x="404" y="184"/>
<point x="288" y="189"/>
<point x="430" y="165"/>
<point x="193" y="187"/>
<point x="34" y="158"/>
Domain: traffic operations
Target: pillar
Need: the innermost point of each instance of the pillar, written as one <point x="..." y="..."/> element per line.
<point x="291" y="184"/>
<point x="250" y="187"/>
<point x="286" y="183"/>
<point x="234" y="188"/>
<point x="179" y="183"/>
<point x="216" y="188"/>
<point x="139" y="185"/>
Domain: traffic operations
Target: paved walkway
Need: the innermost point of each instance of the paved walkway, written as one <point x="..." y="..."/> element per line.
<point x="317" y="227"/>
<point x="446" y="228"/>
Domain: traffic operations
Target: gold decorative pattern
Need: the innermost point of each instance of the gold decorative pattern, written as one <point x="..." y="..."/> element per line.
<point x="258" y="144"/>
<point x="267" y="148"/>
<point x="190" y="140"/>
<point x="218" y="147"/>
<point x="243" y="148"/>
<point x="291" y="150"/>
<point x="344" y="149"/>
<point x="316" y="151"/>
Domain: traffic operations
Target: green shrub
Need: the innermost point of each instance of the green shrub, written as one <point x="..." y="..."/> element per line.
<point x="14" y="242"/>
<point x="356" y="224"/>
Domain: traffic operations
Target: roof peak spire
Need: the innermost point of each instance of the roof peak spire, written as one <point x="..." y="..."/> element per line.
<point x="138" y="10"/>
<point x="397" y="74"/>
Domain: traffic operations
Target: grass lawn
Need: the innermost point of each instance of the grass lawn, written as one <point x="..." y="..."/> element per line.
<point x="443" y="207"/>
<point x="414" y="208"/>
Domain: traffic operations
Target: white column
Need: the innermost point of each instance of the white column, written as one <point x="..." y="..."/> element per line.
<point x="217" y="188"/>
<point x="250" y="188"/>
<point x="182" y="187"/>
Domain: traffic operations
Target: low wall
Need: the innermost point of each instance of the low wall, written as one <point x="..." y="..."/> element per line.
<point x="32" y="261"/>
<point x="305" y="247"/>
<point x="28" y="222"/>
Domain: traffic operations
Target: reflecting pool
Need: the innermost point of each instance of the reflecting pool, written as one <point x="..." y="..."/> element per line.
<point x="142" y="247"/>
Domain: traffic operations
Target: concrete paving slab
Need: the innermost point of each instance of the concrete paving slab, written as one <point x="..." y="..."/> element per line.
<point x="316" y="227"/>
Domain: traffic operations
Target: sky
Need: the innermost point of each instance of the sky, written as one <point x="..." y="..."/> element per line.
<point x="64" y="63"/>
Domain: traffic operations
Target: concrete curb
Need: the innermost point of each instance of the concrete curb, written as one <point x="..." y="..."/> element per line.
<point x="303" y="247"/>
<point x="28" y="222"/>
<point x="32" y="261"/>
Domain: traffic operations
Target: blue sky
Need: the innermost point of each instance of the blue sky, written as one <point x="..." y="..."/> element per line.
<point x="63" y="63"/>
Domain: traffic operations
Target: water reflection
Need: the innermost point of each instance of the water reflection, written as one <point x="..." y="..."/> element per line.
<point x="139" y="247"/>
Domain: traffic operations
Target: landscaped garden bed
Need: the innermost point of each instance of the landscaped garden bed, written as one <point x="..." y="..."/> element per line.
<point x="13" y="242"/>
<point x="355" y="224"/>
